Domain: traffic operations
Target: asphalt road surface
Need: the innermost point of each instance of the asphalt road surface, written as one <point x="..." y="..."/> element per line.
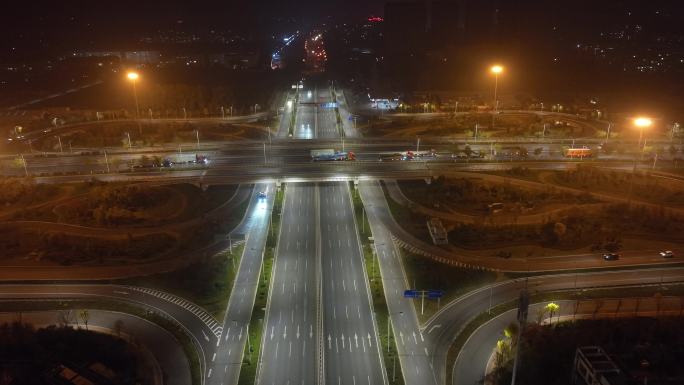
<point x="224" y="365"/>
<point x="411" y="346"/>
<point x="472" y="362"/>
<point x="351" y="349"/>
<point x="173" y="367"/>
<point x="291" y="334"/>
<point x="199" y="325"/>
<point x="444" y="326"/>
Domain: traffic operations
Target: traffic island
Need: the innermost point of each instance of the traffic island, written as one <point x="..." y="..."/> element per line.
<point x="77" y="315"/>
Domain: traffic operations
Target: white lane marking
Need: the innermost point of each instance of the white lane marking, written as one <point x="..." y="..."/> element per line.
<point x="209" y="375"/>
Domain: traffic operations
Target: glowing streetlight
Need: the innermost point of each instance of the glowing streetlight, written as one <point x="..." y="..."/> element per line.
<point x="133" y="75"/>
<point x="496" y="70"/>
<point x="642" y="122"/>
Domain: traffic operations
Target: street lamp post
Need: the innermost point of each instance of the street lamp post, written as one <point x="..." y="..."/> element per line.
<point x="133" y="77"/>
<point x="496" y="70"/>
<point x="641" y="123"/>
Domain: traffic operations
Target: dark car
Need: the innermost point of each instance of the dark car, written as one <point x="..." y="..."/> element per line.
<point x="611" y="257"/>
<point x="261" y="195"/>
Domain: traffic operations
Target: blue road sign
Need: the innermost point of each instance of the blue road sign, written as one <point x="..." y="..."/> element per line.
<point x="434" y="294"/>
<point x="411" y="294"/>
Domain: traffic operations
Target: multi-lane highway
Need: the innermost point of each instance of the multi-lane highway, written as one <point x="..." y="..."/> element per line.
<point x="291" y="333"/>
<point x="351" y="352"/>
<point x="320" y="325"/>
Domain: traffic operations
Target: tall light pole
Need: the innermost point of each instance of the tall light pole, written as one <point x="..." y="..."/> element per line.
<point x="641" y="123"/>
<point x="133" y="77"/>
<point x="496" y="70"/>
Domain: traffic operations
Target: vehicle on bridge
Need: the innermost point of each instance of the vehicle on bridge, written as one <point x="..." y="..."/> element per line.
<point x="419" y="155"/>
<point x="330" y="154"/>
<point x="583" y="152"/>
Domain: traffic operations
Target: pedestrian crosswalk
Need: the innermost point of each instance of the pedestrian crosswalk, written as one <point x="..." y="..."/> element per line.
<point x="200" y="313"/>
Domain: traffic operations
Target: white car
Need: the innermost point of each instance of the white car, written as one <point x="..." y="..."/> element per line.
<point x="667" y="254"/>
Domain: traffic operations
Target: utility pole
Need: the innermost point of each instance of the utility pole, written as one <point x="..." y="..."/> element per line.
<point x="418" y="145"/>
<point x="249" y="347"/>
<point x="389" y="321"/>
<point x="23" y="160"/>
<point x="363" y="221"/>
<point x="129" y="140"/>
<point x="198" y="143"/>
<point x="59" y="138"/>
<point x="523" y="305"/>
<point x="106" y="161"/>
<point x="265" y="161"/>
